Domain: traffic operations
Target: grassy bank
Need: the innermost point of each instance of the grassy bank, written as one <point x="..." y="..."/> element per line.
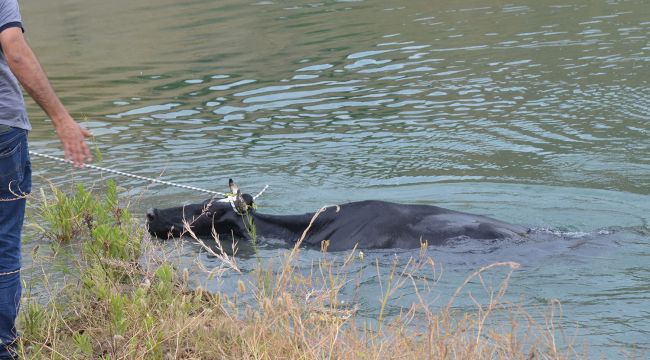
<point x="113" y="304"/>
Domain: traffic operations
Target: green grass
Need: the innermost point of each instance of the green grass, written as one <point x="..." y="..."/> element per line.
<point x="114" y="306"/>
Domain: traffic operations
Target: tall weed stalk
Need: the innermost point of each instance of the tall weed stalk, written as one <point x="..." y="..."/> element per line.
<point x="120" y="308"/>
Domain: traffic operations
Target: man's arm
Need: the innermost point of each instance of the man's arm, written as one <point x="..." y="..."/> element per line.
<point x="28" y="71"/>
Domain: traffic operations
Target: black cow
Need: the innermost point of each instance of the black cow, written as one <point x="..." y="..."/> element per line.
<point x="368" y="224"/>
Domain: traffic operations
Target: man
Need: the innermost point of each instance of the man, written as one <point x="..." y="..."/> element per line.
<point x="18" y="64"/>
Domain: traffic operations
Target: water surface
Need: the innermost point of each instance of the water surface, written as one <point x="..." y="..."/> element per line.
<point x="534" y="113"/>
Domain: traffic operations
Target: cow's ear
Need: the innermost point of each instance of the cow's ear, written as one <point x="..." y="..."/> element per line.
<point x="233" y="187"/>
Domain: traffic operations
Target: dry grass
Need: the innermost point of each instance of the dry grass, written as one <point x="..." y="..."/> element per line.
<point x="118" y="309"/>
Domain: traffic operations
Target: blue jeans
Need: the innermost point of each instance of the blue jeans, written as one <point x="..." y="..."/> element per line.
<point x="15" y="181"/>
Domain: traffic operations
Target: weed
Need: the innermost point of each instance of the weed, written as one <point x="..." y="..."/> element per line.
<point x="128" y="310"/>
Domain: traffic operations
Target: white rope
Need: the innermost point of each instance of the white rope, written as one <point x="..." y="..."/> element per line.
<point x="9" y="273"/>
<point x="226" y="198"/>
<point x="130" y="175"/>
<point x="260" y="193"/>
<point x="234" y="208"/>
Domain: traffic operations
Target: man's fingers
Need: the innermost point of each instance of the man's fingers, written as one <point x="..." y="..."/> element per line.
<point x="86" y="152"/>
<point x="78" y="153"/>
<point x="72" y="155"/>
<point x="74" y="144"/>
<point x="84" y="147"/>
<point x="66" y="153"/>
<point x="81" y="154"/>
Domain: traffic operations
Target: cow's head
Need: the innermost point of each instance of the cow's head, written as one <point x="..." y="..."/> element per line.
<point x="222" y="214"/>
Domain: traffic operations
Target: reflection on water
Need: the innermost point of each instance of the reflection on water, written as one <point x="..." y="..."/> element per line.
<point x="544" y="94"/>
<point x="526" y="111"/>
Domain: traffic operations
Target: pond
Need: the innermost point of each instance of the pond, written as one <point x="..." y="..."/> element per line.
<point x="535" y="113"/>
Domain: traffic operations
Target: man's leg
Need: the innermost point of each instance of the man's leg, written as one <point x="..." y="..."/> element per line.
<point x="10" y="291"/>
<point x="15" y="181"/>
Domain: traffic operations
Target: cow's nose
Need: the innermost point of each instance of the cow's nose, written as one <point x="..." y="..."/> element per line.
<point x="151" y="214"/>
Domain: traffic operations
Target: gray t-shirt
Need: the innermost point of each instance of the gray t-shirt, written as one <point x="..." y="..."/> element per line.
<point x="12" y="104"/>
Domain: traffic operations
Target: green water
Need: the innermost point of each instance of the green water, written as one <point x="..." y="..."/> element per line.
<point x="532" y="112"/>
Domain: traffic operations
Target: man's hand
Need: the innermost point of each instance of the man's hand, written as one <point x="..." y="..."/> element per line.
<point x="73" y="137"/>
<point x="28" y="71"/>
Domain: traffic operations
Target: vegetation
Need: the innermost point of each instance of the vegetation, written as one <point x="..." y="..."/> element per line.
<point x="116" y="305"/>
